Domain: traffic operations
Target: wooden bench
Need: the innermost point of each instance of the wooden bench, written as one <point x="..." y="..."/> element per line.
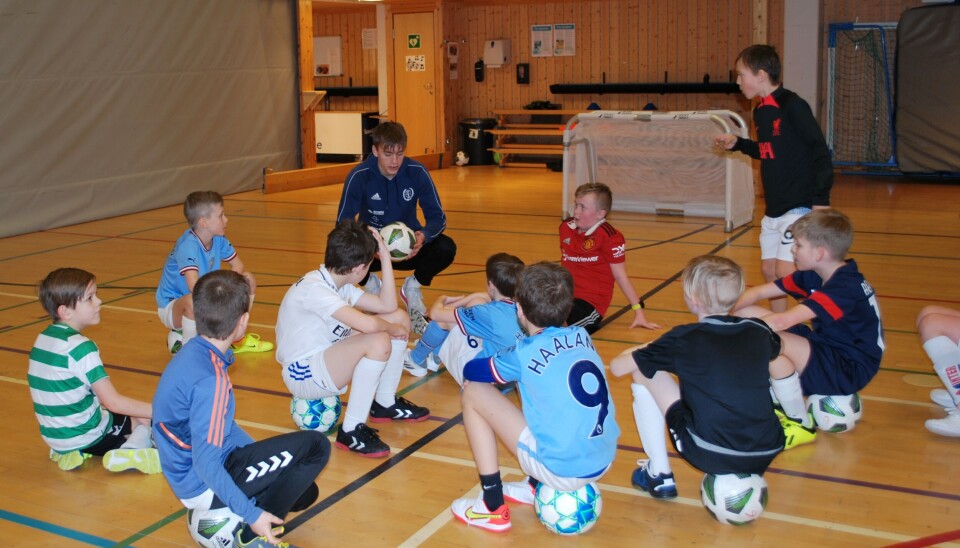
<point x="507" y="133"/>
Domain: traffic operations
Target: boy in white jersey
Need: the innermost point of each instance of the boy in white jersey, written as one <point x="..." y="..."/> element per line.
<point x="66" y="373"/>
<point x="566" y="433"/>
<point x="199" y="250"/>
<point x="331" y="335"/>
<point x="476" y="325"/>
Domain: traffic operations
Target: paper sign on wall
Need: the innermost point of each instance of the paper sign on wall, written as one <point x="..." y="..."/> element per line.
<point x="541" y="40"/>
<point x="564" y="40"/>
<point x="416" y="63"/>
<point x="326" y="56"/>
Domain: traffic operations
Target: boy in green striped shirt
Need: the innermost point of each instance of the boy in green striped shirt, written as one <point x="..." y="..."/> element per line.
<point x="79" y="411"/>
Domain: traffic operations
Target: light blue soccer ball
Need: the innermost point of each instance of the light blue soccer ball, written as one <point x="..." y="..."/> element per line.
<point x="320" y="415"/>
<point x="568" y="512"/>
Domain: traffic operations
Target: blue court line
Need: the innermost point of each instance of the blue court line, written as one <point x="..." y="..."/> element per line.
<point x="56" y="529"/>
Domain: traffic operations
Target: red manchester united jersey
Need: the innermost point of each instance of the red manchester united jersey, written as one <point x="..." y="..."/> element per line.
<point x="588" y="257"/>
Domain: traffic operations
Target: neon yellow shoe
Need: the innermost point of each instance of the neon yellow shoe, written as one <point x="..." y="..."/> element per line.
<point x="69" y="461"/>
<point x="795" y="432"/>
<point x="145" y="460"/>
<point x="251" y="343"/>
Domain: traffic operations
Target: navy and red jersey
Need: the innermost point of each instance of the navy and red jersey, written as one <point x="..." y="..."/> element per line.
<point x="795" y="163"/>
<point x="847" y="314"/>
<point x="588" y="256"/>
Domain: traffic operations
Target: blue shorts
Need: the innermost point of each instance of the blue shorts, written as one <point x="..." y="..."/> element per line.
<point x="828" y="371"/>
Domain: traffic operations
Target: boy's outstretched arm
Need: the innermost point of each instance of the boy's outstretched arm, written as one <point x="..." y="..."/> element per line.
<point x="118" y="403"/>
<point x="623" y="280"/>
<point x="624" y="364"/>
<point x="784" y="320"/>
<point x="756" y="294"/>
<point x="368" y="323"/>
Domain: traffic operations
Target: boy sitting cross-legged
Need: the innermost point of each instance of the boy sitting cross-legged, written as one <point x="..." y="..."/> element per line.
<point x="565" y="434"/>
<point x="472" y="326"/>
<point x="79" y="410"/>
<point x="720" y="415"/>
<point x="331" y="335"/>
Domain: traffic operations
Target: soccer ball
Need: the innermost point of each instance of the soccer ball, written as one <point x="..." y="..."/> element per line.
<point x="734" y="499"/>
<point x="835" y="413"/>
<point x="213" y="528"/>
<point x="399" y="239"/>
<point x="174" y="340"/>
<point x="320" y="415"/>
<point x="568" y="512"/>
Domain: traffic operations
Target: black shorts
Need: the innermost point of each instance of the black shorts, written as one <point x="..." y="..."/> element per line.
<point x="584" y="315"/>
<point x="114" y="438"/>
<point x="829" y="372"/>
<point x="678" y="419"/>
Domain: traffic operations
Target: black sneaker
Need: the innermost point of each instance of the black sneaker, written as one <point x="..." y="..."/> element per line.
<point x="363" y="440"/>
<point x="402" y="410"/>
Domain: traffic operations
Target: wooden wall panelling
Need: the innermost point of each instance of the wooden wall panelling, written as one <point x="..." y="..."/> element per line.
<point x="359" y="65"/>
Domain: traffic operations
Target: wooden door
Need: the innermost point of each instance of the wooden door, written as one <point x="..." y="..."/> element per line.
<point x="415" y="58"/>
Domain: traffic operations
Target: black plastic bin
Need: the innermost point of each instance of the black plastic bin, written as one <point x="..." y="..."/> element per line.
<point x="476" y="139"/>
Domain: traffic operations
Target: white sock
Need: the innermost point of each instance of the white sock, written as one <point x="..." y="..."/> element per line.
<point x="390" y="380"/>
<point x="945" y="356"/>
<point x="790" y="394"/>
<point x="366" y="377"/>
<point x="189" y="328"/>
<point x="651" y="428"/>
<point x="140" y="438"/>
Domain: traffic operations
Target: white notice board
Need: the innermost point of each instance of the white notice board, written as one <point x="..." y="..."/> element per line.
<point x="326" y="56"/>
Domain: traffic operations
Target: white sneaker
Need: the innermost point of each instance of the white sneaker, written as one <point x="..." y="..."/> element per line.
<point x="413" y="367"/>
<point x="942" y="398"/>
<point x="433" y="363"/>
<point x="949" y="426"/>
<point x="373" y="284"/>
<point x="520" y="492"/>
<point x="413" y="299"/>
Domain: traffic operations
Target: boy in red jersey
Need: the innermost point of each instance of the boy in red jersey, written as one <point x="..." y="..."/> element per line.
<point x="595" y="253"/>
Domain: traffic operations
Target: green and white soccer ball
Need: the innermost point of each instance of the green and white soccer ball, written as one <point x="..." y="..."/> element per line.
<point x="213" y="528"/>
<point x="568" y="512"/>
<point x="835" y="413"/>
<point x="734" y="499"/>
<point x="399" y="240"/>
<point x="320" y="415"/>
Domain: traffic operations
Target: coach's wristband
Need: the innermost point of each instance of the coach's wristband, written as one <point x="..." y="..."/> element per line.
<point x="638" y="306"/>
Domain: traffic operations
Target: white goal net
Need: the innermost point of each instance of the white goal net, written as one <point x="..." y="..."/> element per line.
<point x="661" y="163"/>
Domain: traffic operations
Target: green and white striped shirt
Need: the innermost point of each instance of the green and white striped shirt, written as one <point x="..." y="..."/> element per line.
<point x="63" y="367"/>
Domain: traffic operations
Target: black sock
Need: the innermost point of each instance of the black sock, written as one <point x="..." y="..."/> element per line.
<point x="492" y="490"/>
<point x="534" y="482"/>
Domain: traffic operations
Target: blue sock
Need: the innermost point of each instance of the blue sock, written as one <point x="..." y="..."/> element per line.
<point x="431" y="340"/>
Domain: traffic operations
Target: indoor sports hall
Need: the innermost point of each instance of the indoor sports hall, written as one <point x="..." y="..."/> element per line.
<point x="886" y="482"/>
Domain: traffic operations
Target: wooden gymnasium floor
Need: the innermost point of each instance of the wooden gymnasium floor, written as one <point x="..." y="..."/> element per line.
<point x="887" y="481"/>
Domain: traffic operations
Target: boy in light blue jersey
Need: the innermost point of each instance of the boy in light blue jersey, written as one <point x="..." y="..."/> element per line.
<point x="566" y="433"/>
<point x="199" y="250"/>
<point x="473" y="326"/>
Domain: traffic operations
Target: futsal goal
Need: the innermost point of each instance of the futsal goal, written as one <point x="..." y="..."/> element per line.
<point x="661" y="163"/>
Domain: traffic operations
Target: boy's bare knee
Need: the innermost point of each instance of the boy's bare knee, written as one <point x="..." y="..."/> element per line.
<point x="378" y="346"/>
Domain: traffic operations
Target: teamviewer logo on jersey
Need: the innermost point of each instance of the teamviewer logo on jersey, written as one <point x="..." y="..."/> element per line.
<point x="619" y="250"/>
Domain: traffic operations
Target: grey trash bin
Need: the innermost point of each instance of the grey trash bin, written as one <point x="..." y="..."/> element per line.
<point x="476" y="140"/>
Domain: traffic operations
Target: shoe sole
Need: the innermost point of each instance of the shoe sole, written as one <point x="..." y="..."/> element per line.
<point x="485" y="526"/>
<point x="416" y="372"/>
<point x="391" y="419"/>
<point x="378" y="455"/>
<point x="251" y="350"/>
<point x="655" y="494"/>
<point x="149" y="464"/>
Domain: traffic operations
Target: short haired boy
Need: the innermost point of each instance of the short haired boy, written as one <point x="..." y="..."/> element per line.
<point x="199" y="250"/>
<point x="387" y="187"/>
<point x="939" y="330"/>
<point x="565" y="434"/>
<point x="79" y="410"/>
<point x="841" y="350"/>
<point x="206" y="457"/>
<point x="331" y="334"/>
<point x="472" y="326"/>
<point x="795" y="163"/>
<point x="595" y="253"/>
<point x="720" y="415"/>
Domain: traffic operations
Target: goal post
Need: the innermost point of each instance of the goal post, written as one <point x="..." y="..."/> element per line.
<point x="661" y="163"/>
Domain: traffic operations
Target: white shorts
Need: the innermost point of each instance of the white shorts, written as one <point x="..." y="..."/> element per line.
<point x="776" y="239"/>
<point x="166" y="315"/>
<point x="456" y="351"/>
<point x="309" y="379"/>
<point x="531" y="465"/>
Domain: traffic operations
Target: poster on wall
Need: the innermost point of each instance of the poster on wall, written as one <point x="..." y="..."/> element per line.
<point x="326" y="56"/>
<point x="564" y="39"/>
<point x="541" y="41"/>
<point x="368" y="38"/>
<point x="416" y="63"/>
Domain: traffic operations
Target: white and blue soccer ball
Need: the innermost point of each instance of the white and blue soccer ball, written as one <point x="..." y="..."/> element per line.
<point x="835" y="413"/>
<point x="568" y="512"/>
<point x="320" y="415"/>
<point x="734" y="499"/>
<point x="214" y="528"/>
<point x="399" y="240"/>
